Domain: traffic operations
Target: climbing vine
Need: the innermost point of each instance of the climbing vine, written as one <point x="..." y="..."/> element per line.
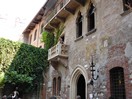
<point x="58" y="32"/>
<point x="21" y="65"/>
<point x="51" y="39"/>
<point x="48" y="39"/>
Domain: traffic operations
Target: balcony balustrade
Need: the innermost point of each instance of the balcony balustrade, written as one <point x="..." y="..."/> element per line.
<point x="53" y="11"/>
<point x="58" y="51"/>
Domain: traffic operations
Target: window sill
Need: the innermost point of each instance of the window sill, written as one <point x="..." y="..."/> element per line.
<point x="126" y="12"/>
<point x="90" y="32"/>
<point x="79" y="38"/>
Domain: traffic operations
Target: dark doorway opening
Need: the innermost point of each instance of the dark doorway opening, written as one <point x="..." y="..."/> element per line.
<point x="81" y="87"/>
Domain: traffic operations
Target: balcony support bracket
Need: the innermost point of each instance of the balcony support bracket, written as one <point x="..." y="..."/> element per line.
<point x="81" y="2"/>
<point x="63" y="61"/>
<point x="60" y="18"/>
<point x="69" y="10"/>
<point x="54" y="25"/>
<point x="59" y="62"/>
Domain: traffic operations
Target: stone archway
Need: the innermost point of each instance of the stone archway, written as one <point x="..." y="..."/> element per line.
<point x="78" y="74"/>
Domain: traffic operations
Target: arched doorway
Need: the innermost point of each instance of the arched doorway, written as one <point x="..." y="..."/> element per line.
<point x="78" y="83"/>
<point x="81" y="87"/>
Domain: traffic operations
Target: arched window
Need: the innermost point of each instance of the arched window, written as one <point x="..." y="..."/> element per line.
<point x="127" y="4"/>
<point x="117" y="84"/>
<point x="59" y="85"/>
<point x="91" y="18"/>
<point x="54" y="86"/>
<point x="79" y="25"/>
<point x="30" y="40"/>
<point x="35" y="34"/>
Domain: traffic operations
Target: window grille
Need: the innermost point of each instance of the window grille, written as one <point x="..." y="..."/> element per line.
<point x="117" y="85"/>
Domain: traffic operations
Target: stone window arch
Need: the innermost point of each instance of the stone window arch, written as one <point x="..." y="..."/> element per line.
<point x="117" y="83"/>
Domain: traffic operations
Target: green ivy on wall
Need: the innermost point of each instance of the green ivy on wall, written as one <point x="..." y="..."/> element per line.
<point x="21" y="65"/>
<point x="48" y="39"/>
<point x="58" y="32"/>
<point x="52" y="38"/>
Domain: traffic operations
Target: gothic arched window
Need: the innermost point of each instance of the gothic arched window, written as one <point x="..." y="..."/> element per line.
<point x="54" y="86"/>
<point x="79" y="25"/>
<point x="91" y="18"/>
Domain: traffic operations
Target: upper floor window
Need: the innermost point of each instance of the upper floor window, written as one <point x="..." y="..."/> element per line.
<point x="35" y="34"/>
<point x="79" y="25"/>
<point x="127" y="4"/>
<point x="41" y="28"/>
<point x="91" y="18"/>
<point x="117" y="84"/>
<point x="30" y="39"/>
<point x="54" y="86"/>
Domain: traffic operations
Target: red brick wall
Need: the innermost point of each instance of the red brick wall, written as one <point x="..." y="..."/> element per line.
<point x="117" y="59"/>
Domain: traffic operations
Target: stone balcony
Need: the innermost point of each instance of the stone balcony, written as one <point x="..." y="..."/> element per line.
<point x="58" y="54"/>
<point x="57" y="14"/>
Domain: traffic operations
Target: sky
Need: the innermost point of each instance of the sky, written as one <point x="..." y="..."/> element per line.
<point x="15" y="15"/>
